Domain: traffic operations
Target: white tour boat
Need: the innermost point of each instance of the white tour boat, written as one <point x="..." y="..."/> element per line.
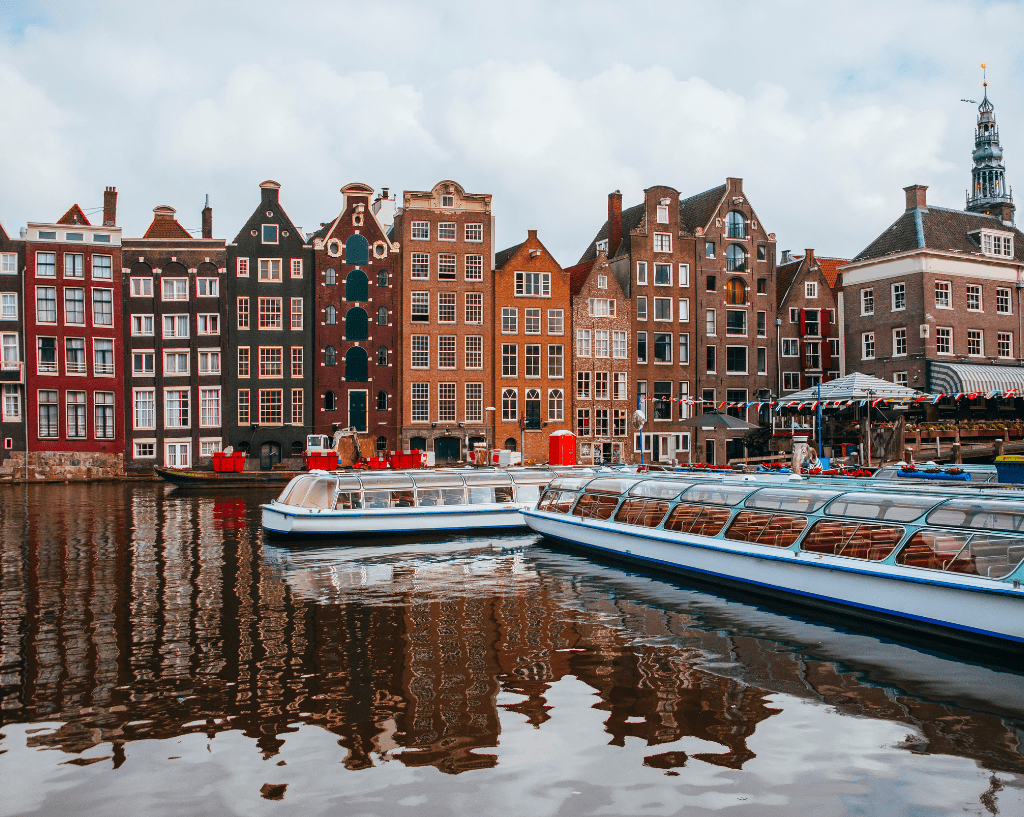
<point x="405" y="502"/>
<point x="946" y="561"/>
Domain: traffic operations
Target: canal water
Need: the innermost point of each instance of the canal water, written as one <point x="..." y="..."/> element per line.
<point x="158" y="657"/>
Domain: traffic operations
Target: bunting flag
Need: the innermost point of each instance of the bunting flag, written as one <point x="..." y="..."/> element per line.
<point x="812" y="405"/>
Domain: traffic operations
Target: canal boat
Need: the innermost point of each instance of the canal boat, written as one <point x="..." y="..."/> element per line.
<point x="321" y="503"/>
<point x="940" y="559"/>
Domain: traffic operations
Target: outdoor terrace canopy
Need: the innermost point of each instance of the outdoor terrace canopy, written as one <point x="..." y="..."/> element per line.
<point x="856" y="386"/>
<point x="966" y="378"/>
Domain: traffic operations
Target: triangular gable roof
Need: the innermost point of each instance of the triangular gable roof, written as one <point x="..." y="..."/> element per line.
<point x="787" y="274"/>
<point x="578" y="276"/>
<point x="4" y="236"/>
<point x="165" y="225"/>
<point x="74" y="216"/>
<point x="503" y="257"/>
<point x="855" y="386"/>
<point x="287" y="223"/>
<point x="697" y="211"/>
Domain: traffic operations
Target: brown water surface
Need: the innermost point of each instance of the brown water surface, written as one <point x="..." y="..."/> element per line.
<point x="157" y="657"/>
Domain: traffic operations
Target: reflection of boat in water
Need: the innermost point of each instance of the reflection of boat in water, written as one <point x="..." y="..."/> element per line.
<point x="941" y="561"/>
<point x="341" y="504"/>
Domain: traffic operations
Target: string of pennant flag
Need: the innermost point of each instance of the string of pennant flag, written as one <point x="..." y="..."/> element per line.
<point x="826" y="404"/>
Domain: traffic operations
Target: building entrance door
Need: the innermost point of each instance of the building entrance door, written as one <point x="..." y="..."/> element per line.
<point x="447" y="449"/>
<point x="357" y="410"/>
<point x="270" y="455"/>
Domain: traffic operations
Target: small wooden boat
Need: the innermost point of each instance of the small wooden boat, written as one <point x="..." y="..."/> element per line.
<point x="946" y="560"/>
<point x="321" y="503"/>
<point x="193" y="477"/>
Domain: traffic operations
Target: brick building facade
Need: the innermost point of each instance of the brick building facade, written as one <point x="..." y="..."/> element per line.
<point x="74" y="355"/>
<point x="173" y="285"/>
<point x="810" y="339"/>
<point x="603" y="366"/>
<point x="269" y="286"/>
<point x="531" y="320"/>
<point x="12" y="344"/>
<point x="447" y="353"/>
<point x="356" y="324"/>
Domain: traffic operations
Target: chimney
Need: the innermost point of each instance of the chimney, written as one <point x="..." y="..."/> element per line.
<point x="808" y="258"/>
<point x="787" y="257"/>
<point x="531" y="235"/>
<point x="916" y="196"/>
<point x="109" y="206"/>
<point x="207" y="219"/>
<point x="614" y="222"/>
<point x="270" y="190"/>
<point x="384" y="192"/>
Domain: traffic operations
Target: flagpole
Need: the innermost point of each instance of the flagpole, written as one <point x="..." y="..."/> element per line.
<point x="819" y="419"/>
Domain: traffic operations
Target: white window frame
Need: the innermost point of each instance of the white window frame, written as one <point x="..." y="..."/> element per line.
<point x="867" y="338"/>
<point x="898" y="289"/>
<point x="867" y="301"/>
<point x="173" y="289"/>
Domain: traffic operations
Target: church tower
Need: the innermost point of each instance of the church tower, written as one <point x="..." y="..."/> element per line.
<point x="989" y="193"/>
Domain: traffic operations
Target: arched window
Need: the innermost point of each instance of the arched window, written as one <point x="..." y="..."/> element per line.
<point x="330" y="276"/>
<point x="357" y="250"/>
<point x="330" y="316"/>
<point x="357" y="324"/>
<point x="382" y="316"/>
<point x="382" y="355"/>
<point x="736" y="291"/>
<point x="735" y="258"/>
<point x="382" y="278"/>
<point x="330" y="356"/>
<point x="329" y="404"/>
<point x="357" y="287"/>
<point x="382" y="401"/>
<point x="509" y="405"/>
<point x="735" y="225"/>
<point x="510" y="443"/>
<point x="355" y="365"/>
<point x="382" y="445"/>
<point x="533" y="408"/>
<point x="556" y="405"/>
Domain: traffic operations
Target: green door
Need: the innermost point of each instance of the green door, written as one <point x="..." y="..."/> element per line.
<point x="357" y="410"/>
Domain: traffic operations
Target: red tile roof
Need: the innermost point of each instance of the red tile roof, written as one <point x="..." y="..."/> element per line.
<point x="578" y="276"/>
<point x="166" y="228"/>
<point x="74" y="216"/>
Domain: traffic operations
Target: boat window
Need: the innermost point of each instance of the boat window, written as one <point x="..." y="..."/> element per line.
<point x="981" y="554"/>
<point x="480" y="495"/>
<point x="718" y="494"/>
<point x="402" y="499"/>
<point x="659" y="489"/>
<point x="697" y="519"/>
<point x="547" y="500"/>
<point x="320" y="494"/>
<point x="429" y="497"/>
<point x="532" y="477"/>
<point x="646" y="512"/>
<point x="503" y="494"/>
<point x="488" y="478"/>
<point x="610" y="485"/>
<point x="596" y="506"/>
<point x="376" y="499"/>
<point x="379" y="481"/>
<point x="778" y="530"/>
<point x="867" y="505"/>
<point x="349" y="484"/>
<point x="852" y="539"/>
<point x="296" y="490"/>
<point x="569" y="483"/>
<point x="437" y="479"/>
<point x="792" y="499"/>
<point x="528" y="493"/>
<point x="453" y="496"/>
<point x="985" y="515"/>
<point x="347" y="501"/>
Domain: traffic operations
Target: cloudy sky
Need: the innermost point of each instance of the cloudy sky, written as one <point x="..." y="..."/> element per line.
<point x="825" y="112"/>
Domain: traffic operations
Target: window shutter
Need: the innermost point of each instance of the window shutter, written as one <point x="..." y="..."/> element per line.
<point x="826" y="349"/>
<point x="824" y="316"/>
<point x="803" y="322"/>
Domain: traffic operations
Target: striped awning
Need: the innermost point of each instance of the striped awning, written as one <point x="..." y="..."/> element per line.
<point x="854" y="386"/>
<point x="960" y="378"/>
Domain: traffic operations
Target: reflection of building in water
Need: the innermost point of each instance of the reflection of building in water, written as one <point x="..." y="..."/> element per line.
<point x="127" y="615"/>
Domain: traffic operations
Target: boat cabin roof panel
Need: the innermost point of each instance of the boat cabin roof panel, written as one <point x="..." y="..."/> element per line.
<point x="787" y="499"/>
<point x="659" y="489"/>
<point x="718" y="494"/>
<point x="980" y="514"/>
<point x="611" y="485"/>
<point x="890" y="507"/>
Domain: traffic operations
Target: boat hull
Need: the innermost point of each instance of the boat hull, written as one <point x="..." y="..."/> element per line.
<point x="280" y="521"/>
<point x="971" y="611"/>
<point x="186" y="477"/>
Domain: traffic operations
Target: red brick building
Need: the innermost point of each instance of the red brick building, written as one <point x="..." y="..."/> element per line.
<point x="809" y="343"/>
<point x="174" y="328"/>
<point x="356" y="324"/>
<point x="447" y="301"/>
<point x="603" y="366"/>
<point x="75" y="372"/>
<point x="531" y="321"/>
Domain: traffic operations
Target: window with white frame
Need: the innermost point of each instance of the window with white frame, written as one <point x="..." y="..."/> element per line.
<point x="102" y="267"/>
<point x="531" y="321"/>
<point x="601" y="385"/>
<point x="209" y="361"/>
<point x="583" y="385"/>
<point x="446" y="409"/>
<point x="474" y="345"/>
<point x="446" y="231"/>
<point x="446" y="270"/>
<point x="663" y="242"/>
<point x="601" y="308"/>
<point x="974" y="298"/>
<point x="684" y="310"/>
<point x="1003" y="301"/>
<point x="296" y="268"/>
<point x="174" y="289"/>
<point x="1004" y="344"/>
<point x="509" y="405"/>
<point x="296" y="322"/>
<point x="641" y="272"/>
<point x="420" y="266"/>
<point x="74" y="265"/>
<point x="8" y="263"/>
<point x="176" y="408"/>
<point x="662" y="309"/>
<point x="175" y="326"/>
<point x="271" y="362"/>
<point x="556" y="355"/>
<point x="74" y="305"/>
<point x="242" y="402"/>
<point x="537" y="284"/>
<point x="242" y="311"/>
<point x="242" y="268"/>
<point x="619" y="341"/>
<point x="209" y="407"/>
<point x="662" y="214"/>
<point x="942" y="295"/>
<point x="208" y="447"/>
<point x="271" y="407"/>
<point x="810" y="289"/>
<point x="420" y="311"/>
<point x="791" y="381"/>
<point x="619" y="386"/>
<point x="556" y="405"/>
<point x="175" y="363"/>
<point x="297" y="362"/>
<point x="900" y="378"/>
<point x="420" y="230"/>
<point x="207" y="287"/>
<point x="867" y="302"/>
<point x="143" y="363"/>
<point x="12" y="403"/>
<point x="269" y="269"/>
<point x="556" y="322"/>
<point x="243" y="361"/>
<point x="600" y="343"/>
<point x="684" y="348"/>
<point x="684" y="275"/>
<point x="663" y="275"/>
<point x="103" y="356"/>
<point x="208" y="324"/>
<point x="10" y="348"/>
<point x="144" y="408"/>
<point x="975" y="343"/>
<point x="474" y="231"/>
<point x="531" y="359"/>
<point x="867" y="346"/>
<point x="899" y="297"/>
<point x="9" y="306"/>
<point x="509" y="320"/>
<point x="474" y="307"/>
<point x="474" y="402"/>
<point x="269" y="233"/>
<point x="420" y="358"/>
<point x="446" y="352"/>
<point x="899" y="342"/>
<point x="144" y="449"/>
<point x="583" y="342"/>
<point x="46" y="264"/>
<point x="509" y="360"/>
<point x="269" y="310"/>
<point x="141" y="287"/>
<point x="998" y="244"/>
<point x="641" y="307"/>
<point x="710" y="321"/>
<point x="474" y="267"/>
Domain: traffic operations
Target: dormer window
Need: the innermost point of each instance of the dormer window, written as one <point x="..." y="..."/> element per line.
<point x="995" y="243"/>
<point x="602" y="245"/>
<point x="269" y="234"/>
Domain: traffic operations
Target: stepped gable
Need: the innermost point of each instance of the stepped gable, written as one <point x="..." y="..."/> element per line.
<point x="74" y="216"/>
<point x="697" y="211"/>
<point x="939" y="229"/>
<point x="165" y="225"/>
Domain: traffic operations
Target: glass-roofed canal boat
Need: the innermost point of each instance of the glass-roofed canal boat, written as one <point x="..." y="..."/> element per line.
<point x="345" y="503"/>
<point x="943" y="560"/>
